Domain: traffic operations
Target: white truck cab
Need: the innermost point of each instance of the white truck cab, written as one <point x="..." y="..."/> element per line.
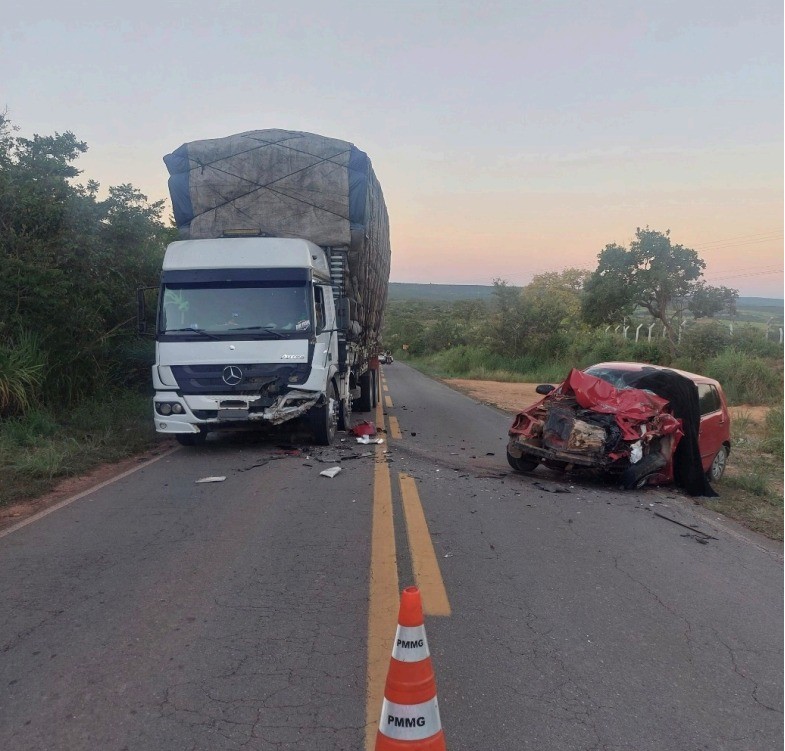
<point x="247" y="331"/>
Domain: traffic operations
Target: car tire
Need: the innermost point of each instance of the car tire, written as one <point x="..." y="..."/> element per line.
<point x="637" y="475"/>
<point x="718" y="464"/>
<point x="523" y="463"/>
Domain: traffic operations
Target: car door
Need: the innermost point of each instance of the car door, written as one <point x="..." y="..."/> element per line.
<point x="713" y="427"/>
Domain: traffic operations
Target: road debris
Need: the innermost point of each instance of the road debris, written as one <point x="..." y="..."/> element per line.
<point x="366" y="428"/>
<point x="551" y="488"/>
<point x="365" y="440"/>
<point x="211" y="479"/>
<point x="332" y="472"/>
<point x="686" y="526"/>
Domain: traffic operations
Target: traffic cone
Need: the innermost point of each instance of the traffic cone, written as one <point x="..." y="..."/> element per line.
<point x="410" y="712"/>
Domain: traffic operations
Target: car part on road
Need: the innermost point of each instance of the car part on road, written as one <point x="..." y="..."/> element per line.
<point x="686" y="526"/>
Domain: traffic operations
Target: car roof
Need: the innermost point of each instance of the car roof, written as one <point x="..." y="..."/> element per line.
<point x="638" y="366"/>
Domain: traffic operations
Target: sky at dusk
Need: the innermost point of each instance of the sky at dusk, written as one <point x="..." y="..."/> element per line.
<point x="510" y="137"/>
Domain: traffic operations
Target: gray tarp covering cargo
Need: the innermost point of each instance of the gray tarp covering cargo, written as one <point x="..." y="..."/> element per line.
<point x="287" y="183"/>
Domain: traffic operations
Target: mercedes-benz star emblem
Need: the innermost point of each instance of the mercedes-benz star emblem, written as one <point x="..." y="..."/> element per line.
<point x="232" y="375"/>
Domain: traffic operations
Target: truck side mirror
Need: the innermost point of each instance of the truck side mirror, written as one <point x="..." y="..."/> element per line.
<point x="141" y="309"/>
<point x="342" y="313"/>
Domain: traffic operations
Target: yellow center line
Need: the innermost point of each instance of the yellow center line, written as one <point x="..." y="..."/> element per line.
<point x="388" y="402"/>
<point x="427" y="574"/>
<point x="383" y="594"/>
<point x="395" y="429"/>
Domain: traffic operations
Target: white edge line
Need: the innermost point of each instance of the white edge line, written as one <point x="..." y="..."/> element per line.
<point x="68" y="501"/>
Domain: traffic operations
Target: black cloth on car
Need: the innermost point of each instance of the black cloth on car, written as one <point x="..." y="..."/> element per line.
<point x="682" y="393"/>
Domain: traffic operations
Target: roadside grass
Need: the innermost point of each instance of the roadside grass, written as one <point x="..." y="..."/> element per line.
<point x="751" y="491"/>
<point x="479" y="365"/>
<point x="40" y="449"/>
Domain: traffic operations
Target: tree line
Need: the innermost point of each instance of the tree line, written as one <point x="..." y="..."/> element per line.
<point x="653" y="277"/>
<point x="70" y="262"/>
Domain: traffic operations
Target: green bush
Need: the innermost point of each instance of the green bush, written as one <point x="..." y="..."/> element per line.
<point x="774" y="427"/>
<point x="745" y="379"/>
<point x="21" y="372"/>
<point x="704" y="340"/>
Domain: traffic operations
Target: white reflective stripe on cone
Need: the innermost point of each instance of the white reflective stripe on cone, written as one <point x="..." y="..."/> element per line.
<point x="411" y="644"/>
<point x="410" y="722"/>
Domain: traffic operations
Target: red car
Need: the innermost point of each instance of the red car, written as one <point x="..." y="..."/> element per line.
<point x="645" y="423"/>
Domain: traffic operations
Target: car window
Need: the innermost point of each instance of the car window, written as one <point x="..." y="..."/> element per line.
<point x="708" y="398"/>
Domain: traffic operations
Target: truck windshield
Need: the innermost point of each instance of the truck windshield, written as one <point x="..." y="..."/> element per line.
<point x="234" y="308"/>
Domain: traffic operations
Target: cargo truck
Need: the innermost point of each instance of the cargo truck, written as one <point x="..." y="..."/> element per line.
<point x="271" y="304"/>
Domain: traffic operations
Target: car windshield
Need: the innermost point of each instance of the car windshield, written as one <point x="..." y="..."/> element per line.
<point x="620" y="379"/>
<point x="227" y="308"/>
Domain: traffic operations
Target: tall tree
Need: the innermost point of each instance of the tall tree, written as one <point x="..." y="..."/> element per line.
<point x="707" y="301"/>
<point x="653" y="273"/>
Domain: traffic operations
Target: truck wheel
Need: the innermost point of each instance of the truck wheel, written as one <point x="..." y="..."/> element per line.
<point x="324" y="420"/>
<point x="191" y="439"/>
<point x="365" y="402"/>
<point x="345" y="414"/>
<point x="523" y="463"/>
<point x="637" y="475"/>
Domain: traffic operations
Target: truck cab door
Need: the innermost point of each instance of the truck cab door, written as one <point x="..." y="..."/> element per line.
<point x="326" y="354"/>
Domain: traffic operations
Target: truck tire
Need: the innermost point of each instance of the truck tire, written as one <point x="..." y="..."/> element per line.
<point x="345" y="414"/>
<point x="324" y="420"/>
<point x="191" y="439"/>
<point x="637" y="475"/>
<point x="365" y="402"/>
<point x="523" y="463"/>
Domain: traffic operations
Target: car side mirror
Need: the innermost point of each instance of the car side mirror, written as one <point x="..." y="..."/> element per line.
<point x="544" y="388"/>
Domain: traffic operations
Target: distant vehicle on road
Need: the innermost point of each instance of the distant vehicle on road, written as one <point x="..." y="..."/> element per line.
<point x="643" y="423"/>
<point x="386" y="358"/>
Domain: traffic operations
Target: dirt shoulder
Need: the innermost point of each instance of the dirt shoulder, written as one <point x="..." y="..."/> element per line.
<point x="510" y="397"/>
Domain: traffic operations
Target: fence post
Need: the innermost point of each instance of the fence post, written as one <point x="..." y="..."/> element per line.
<point x="638" y="331"/>
<point x="651" y="326"/>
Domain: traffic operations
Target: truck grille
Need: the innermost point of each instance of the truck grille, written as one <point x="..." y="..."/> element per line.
<point x="255" y="379"/>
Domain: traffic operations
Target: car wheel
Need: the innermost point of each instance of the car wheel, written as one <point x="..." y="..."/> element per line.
<point x="523" y="463"/>
<point x="324" y="420"/>
<point x="637" y="475"/>
<point x="717" y="468"/>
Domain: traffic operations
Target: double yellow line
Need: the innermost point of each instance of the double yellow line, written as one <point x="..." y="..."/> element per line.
<point x="384" y="588"/>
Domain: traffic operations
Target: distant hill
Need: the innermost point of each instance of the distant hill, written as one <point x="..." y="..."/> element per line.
<point x="453" y="292"/>
<point x="772" y="303"/>
<point x="438" y="292"/>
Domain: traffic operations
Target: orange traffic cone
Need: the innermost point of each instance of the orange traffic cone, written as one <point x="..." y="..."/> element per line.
<point x="410" y="712"/>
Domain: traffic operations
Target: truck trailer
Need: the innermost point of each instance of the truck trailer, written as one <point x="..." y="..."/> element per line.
<point x="271" y="303"/>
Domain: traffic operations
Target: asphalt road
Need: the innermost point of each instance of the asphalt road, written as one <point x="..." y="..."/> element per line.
<point x="254" y="613"/>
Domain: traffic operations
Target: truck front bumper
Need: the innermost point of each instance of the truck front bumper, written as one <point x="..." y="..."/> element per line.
<point x="173" y="413"/>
